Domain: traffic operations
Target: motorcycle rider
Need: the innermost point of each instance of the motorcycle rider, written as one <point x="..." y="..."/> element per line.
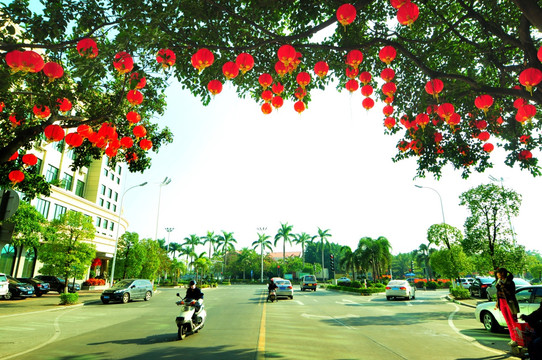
<point x="272" y="286"/>
<point x="193" y="292"/>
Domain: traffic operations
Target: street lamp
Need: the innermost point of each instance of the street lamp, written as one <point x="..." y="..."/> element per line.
<point x="169" y="230"/>
<point x="501" y="180"/>
<point x="440" y="198"/>
<point x="166" y="181"/>
<point x="118" y="228"/>
<point x="261" y="229"/>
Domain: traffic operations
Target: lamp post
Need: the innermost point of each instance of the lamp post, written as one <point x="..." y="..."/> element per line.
<point x="166" y="181"/>
<point x="169" y="230"/>
<point x="440" y="198"/>
<point x="261" y="229"/>
<point x="501" y="180"/>
<point x="118" y="228"/>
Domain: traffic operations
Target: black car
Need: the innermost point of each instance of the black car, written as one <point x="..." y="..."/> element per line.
<point x="18" y="289"/>
<point x="40" y="287"/>
<point x="479" y="287"/>
<point x="57" y="284"/>
<point x="128" y="289"/>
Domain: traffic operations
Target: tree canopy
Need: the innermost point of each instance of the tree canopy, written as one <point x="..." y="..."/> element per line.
<point x="475" y="48"/>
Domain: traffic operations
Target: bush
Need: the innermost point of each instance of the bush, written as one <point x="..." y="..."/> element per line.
<point x="420" y="284"/>
<point x="69" y="298"/>
<point x="356" y="284"/>
<point x="226" y="282"/>
<point x="431" y="285"/>
<point x="460" y="293"/>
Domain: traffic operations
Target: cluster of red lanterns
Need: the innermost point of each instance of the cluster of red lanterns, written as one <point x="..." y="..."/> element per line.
<point x="407" y="11"/>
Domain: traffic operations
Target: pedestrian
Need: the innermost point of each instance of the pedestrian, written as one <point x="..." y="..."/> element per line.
<point x="535" y="321"/>
<point x="507" y="302"/>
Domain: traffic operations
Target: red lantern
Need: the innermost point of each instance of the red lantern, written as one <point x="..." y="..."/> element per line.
<point x="123" y="62"/>
<point x="230" y="70"/>
<point x="365" y="77"/>
<point x="389" y="89"/>
<point x="387" y="74"/>
<point x="54" y="133"/>
<point x="299" y="106"/>
<point x="134" y="97"/>
<point x="202" y="59"/>
<point x="483" y="102"/>
<point x="525" y="155"/>
<point x="530" y="77"/>
<point x="14" y="60"/>
<point x="281" y="69"/>
<point x="30" y="159"/>
<point x="286" y="54"/>
<point x="266" y="108"/>
<point x="145" y="144"/>
<point x="14" y="156"/>
<point x="139" y="131"/>
<point x="214" y="87"/>
<point x="422" y="120"/>
<point x="133" y="117"/>
<point x="408" y="13"/>
<point x="519" y="103"/>
<point x="488" y="147"/>
<point x="484" y="136"/>
<point x="265" y="80"/>
<point x="87" y="48"/>
<point x="389" y="122"/>
<point x="131" y="157"/>
<point x="16" y="176"/>
<point x="53" y="71"/>
<point x="351" y="73"/>
<point x="524" y="139"/>
<point x="388" y="100"/>
<point x="481" y="125"/>
<point x="354" y="58"/>
<point x="31" y="62"/>
<point x="126" y="142"/>
<point x="73" y="140"/>
<point x="84" y="130"/>
<point x="366" y="90"/>
<point x="387" y="110"/>
<point x="303" y="79"/>
<point x="438" y="137"/>
<point x="267" y="95"/>
<point x="434" y="87"/>
<point x="321" y="68"/>
<point x="166" y="57"/>
<point x="300" y="93"/>
<point x="41" y="111"/>
<point x="352" y="85"/>
<point x="14" y="121"/>
<point x="387" y="54"/>
<point x="346" y="14"/>
<point x="245" y="62"/>
<point x="525" y="113"/>
<point x="107" y="132"/>
<point x="277" y="102"/>
<point x="64" y="105"/>
<point x="454" y="119"/>
<point x="368" y="103"/>
<point x="539" y="54"/>
<point x="141" y="82"/>
<point x="277" y="88"/>
<point x="2" y="106"/>
<point x="445" y="111"/>
<point x="398" y="3"/>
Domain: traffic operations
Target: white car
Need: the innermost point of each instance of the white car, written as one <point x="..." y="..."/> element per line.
<point x="466" y="282"/>
<point x="529" y="298"/>
<point x="343" y="280"/>
<point x="400" y="288"/>
<point x="4" y="284"/>
<point x="284" y="288"/>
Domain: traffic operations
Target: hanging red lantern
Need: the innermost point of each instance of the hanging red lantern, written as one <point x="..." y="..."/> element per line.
<point x="387" y="110"/>
<point x="351" y="73"/>
<point x="111" y="151"/>
<point x="277" y="88"/>
<point x="299" y="106"/>
<point x="123" y="62"/>
<point x="245" y="62"/>
<point x="434" y="87"/>
<point x="437" y="137"/>
<point x="387" y="74"/>
<point x="145" y="144"/>
<point x="267" y="95"/>
<point x="286" y="54"/>
<point x="281" y="69"/>
<point x="483" y="136"/>
<point x="483" y="102"/>
<point x="445" y="111"/>
<point x="14" y="60"/>
<point x="365" y="77"/>
<point x="137" y="82"/>
<point x="352" y="85"/>
<point x="389" y="122"/>
<point x="366" y="90"/>
<point x="519" y="103"/>
<point x="87" y="48"/>
<point x="277" y="102"/>
<point x="139" y="131"/>
<point x="16" y="176"/>
<point x="2" y="106"/>
<point x="346" y="14"/>
<point x="300" y="93"/>
<point x="408" y="13"/>
<point x="525" y="155"/>
<point x="530" y="77"/>
<point x="454" y="119"/>
<point x="266" y="108"/>
<point x="53" y="71"/>
<point x="126" y="142"/>
<point x="481" y="125"/>
<point x="84" y="130"/>
<point x="41" y="111"/>
<point x="265" y="80"/>
<point x="398" y="3"/>
<point x="526" y="113"/>
<point x="134" y="97"/>
<point x="214" y="87"/>
<point x="354" y="58"/>
<point x="539" y="54"/>
<point x="64" y="105"/>
<point x="133" y="117"/>
<point x="388" y="100"/>
<point x="202" y="59"/>
<point x="32" y="62"/>
<point x="108" y="132"/>
<point x="403" y="145"/>
<point x="30" y="159"/>
<point x="422" y="120"/>
<point x="73" y="140"/>
<point x="14" y="156"/>
<point x="303" y="79"/>
<point x="368" y="103"/>
<point x="54" y="133"/>
<point x="166" y="58"/>
<point x="488" y="147"/>
<point x="389" y="88"/>
<point x="524" y="139"/>
<point x="230" y="70"/>
<point x="387" y="54"/>
<point x="14" y="121"/>
<point x="321" y="68"/>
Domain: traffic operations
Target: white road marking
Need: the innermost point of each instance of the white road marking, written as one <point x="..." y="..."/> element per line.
<point x="299" y="302"/>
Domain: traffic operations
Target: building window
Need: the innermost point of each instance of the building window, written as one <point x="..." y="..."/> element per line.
<point x="80" y="188"/>
<point x="59" y="210"/>
<point x="112" y="176"/>
<point x="59" y="146"/>
<point x="98" y="221"/>
<point x="51" y="174"/>
<point x="105" y="223"/>
<point x="119" y="169"/>
<point x="109" y="193"/>
<point x="67" y="181"/>
<point x="7" y="259"/>
<point x="42" y="206"/>
<point x="111" y="226"/>
<point x="118" y="180"/>
<point x="101" y="202"/>
<point x="29" y="263"/>
<point x="106" y="172"/>
<point x="102" y="190"/>
<point x="108" y="206"/>
<point x="114" y="208"/>
<point x="116" y="196"/>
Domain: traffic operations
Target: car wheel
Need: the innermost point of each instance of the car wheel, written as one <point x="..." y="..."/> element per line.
<point x="302" y="289"/>
<point x="388" y="298"/>
<point x="38" y="294"/>
<point x="291" y="297"/>
<point x="489" y="322"/>
<point x="125" y="298"/>
<point x="105" y="301"/>
<point x="147" y="296"/>
<point x="8" y="296"/>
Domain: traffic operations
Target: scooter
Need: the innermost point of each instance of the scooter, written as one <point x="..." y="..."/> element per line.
<point x="190" y="320"/>
<point x="272" y="295"/>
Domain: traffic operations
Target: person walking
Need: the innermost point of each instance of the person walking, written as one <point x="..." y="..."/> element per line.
<point x="507" y="302"/>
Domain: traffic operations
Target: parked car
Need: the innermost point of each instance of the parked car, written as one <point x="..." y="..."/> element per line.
<point x="57" y="284"/>
<point x="308" y="282"/>
<point x="529" y="298"/>
<point x="344" y="279"/>
<point x="466" y="282"/>
<point x="17" y="289"/>
<point x="491" y="290"/>
<point x="40" y="287"/>
<point x="4" y="284"/>
<point x="128" y="289"/>
<point x="284" y="288"/>
<point x="479" y="286"/>
<point x="400" y="288"/>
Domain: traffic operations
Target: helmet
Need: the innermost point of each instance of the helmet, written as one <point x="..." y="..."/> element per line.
<point x="192" y="282"/>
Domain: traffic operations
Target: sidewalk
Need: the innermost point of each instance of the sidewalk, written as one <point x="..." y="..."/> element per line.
<point x="466" y="302"/>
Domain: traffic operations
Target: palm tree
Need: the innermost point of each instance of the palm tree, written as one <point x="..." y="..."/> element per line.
<point x="348" y="260"/>
<point x="323" y="235"/>
<point x="192" y="241"/>
<point x="422" y="257"/>
<point x="210" y="238"/>
<point x="226" y="242"/>
<point x="263" y="243"/>
<point x="302" y="239"/>
<point x="284" y="233"/>
<point x="200" y="262"/>
<point x="174" y="248"/>
<point x="375" y="254"/>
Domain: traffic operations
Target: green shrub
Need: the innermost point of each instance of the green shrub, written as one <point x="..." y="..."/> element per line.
<point x="69" y="298"/>
<point x="459" y="293"/>
<point x="356" y="284"/>
<point x="431" y="285"/>
<point x="226" y="282"/>
<point x="420" y="284"/>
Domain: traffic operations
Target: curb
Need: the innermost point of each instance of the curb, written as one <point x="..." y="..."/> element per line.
<point x="459" y="302"/>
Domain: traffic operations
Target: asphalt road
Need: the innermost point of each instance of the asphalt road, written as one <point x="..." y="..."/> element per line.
<point x="241" y="325"/>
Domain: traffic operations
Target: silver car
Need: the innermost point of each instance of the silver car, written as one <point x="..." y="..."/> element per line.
<point x="491" y="290"/>
<point x="284" y="288"/>
<point x="400" y="288"/>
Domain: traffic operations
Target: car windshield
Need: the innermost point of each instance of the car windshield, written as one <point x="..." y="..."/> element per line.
<point x="282" y="282"/>
<point x="310" y="278"/>
<point x="122" y="284"/>
<point x="521" y="282"/>
<point x="397" y="282"/>
<point x="3" y="278"/>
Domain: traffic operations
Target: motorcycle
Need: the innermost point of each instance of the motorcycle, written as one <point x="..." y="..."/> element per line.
<point x="272" y="295"/>
<point x="192" y="317"/>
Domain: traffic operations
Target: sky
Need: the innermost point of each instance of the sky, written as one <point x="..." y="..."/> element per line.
<point x="235" y="169"/>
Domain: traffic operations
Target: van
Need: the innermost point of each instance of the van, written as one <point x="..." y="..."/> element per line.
<point x="4" y="284"/>
<point x="308" y="282"/>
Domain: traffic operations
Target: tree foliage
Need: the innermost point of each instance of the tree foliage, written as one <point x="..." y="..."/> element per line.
<point x="28" y="226"/>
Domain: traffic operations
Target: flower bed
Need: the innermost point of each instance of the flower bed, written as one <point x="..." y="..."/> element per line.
<point x="94" y="282"/>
